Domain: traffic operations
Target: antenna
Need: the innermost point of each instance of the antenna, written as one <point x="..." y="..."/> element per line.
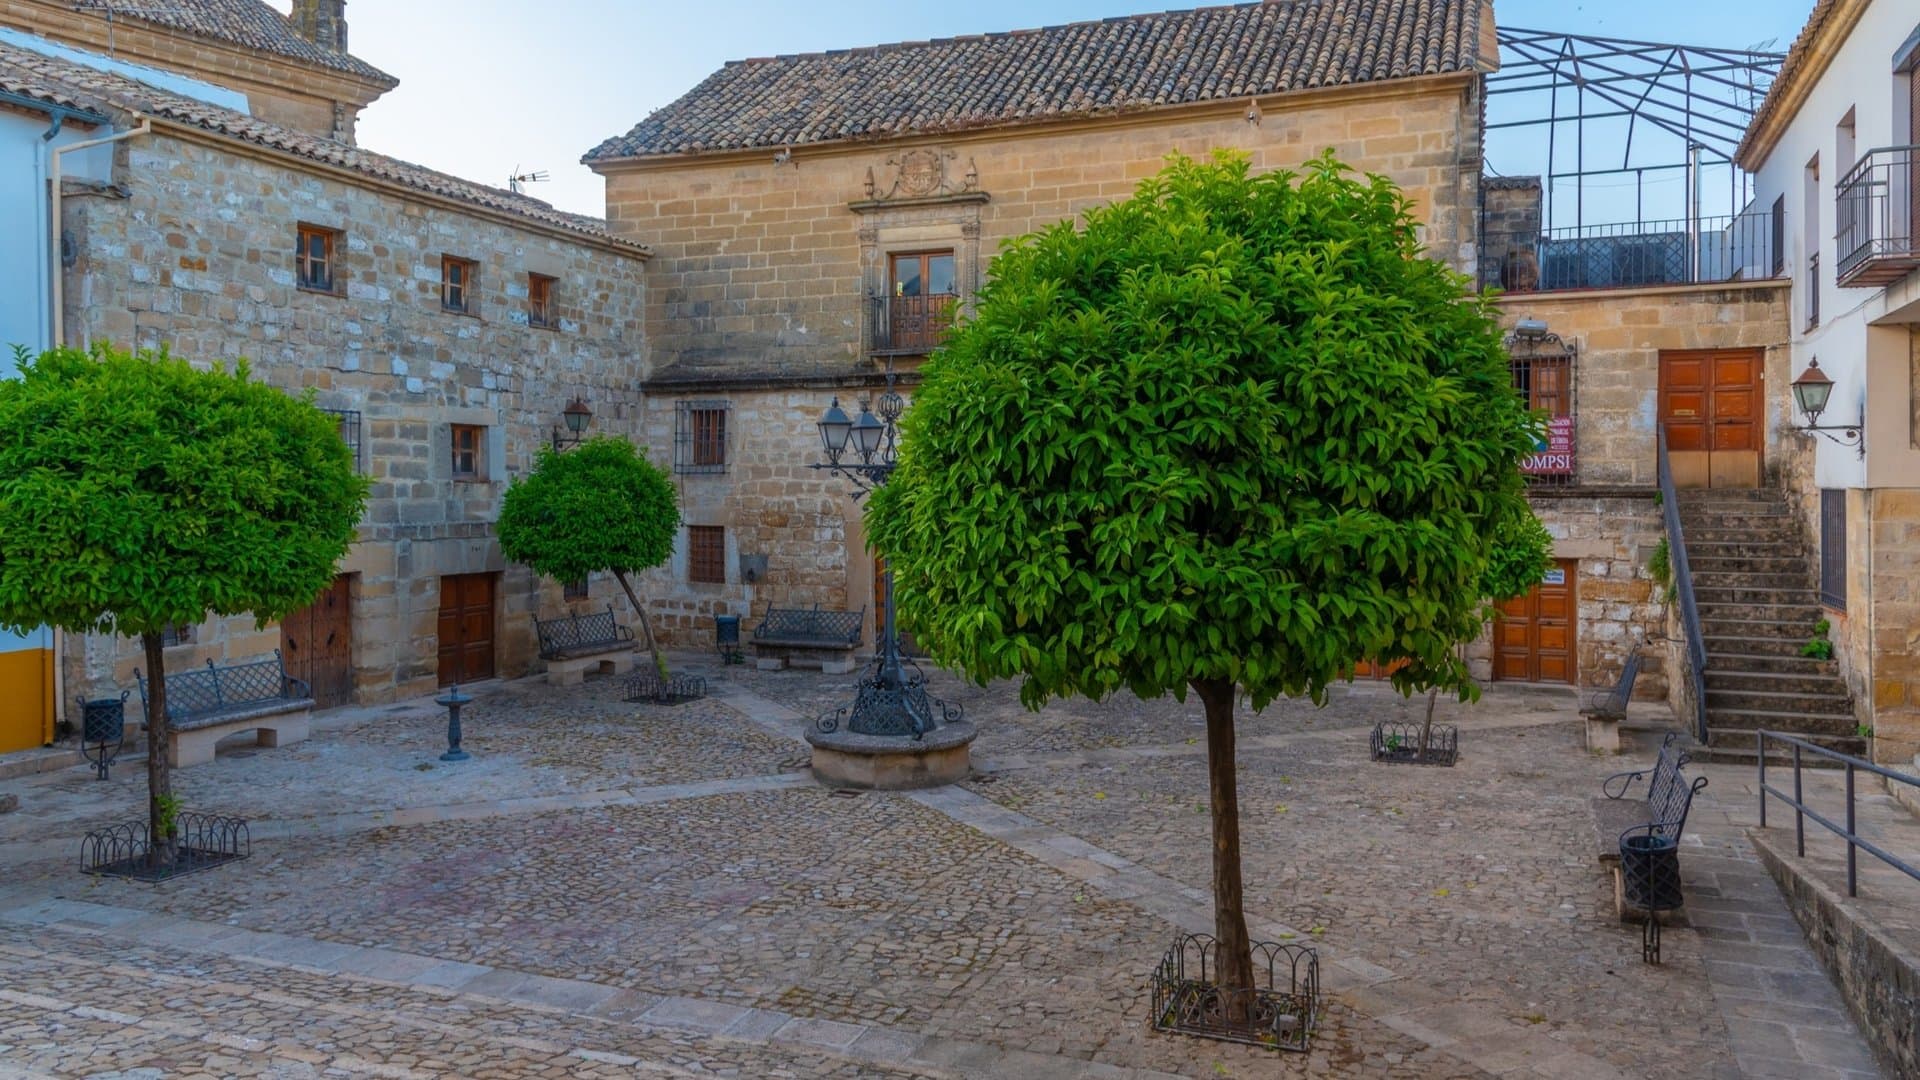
<point x="518" y="182"/>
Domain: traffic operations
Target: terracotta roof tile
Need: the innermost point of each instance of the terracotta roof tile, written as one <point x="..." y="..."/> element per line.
<point x="1115" y="65"/>
<point x="63" y="82"/>
<point x="246" y="23"/>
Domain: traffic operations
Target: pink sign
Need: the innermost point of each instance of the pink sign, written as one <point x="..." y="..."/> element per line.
<point x="1553" y="456"/>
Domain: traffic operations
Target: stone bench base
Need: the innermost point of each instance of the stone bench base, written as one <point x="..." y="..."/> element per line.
<point x="830" y="659"/>
<point x="842" y="759"/>
<point x="281" y="727"/>
<point x="1603" y="733"/>
<point x="573" y="670"/>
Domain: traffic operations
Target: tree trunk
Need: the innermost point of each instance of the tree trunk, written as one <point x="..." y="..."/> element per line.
<point x="159" y="777"/>
<point x="646" y="625"/>
<point x="1426" y="730"/>
<point x="1234" y="953"/>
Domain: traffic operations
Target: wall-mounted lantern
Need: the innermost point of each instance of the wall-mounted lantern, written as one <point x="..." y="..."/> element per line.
<point x="1811" y="392"/>
<point x="576" y="416"/>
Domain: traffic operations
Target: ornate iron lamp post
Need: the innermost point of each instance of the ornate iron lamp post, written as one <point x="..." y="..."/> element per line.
<point x="892" y="698"/>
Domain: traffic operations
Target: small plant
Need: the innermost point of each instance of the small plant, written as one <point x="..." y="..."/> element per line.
<point x="169" y="813"/>
<point x="1659" y="498"/>
<point x="1819" y="646"/>
<point x="1660" y="569"/>
<point x="1865" y="731"/>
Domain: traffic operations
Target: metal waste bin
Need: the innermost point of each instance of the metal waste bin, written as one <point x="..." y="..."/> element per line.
<point x="103" y="730"/>
<point x="726" y="638"/>
<point x="1650" y="880"/>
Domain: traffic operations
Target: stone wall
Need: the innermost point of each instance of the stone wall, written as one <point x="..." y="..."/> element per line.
<point x="306" y="97"/>
<point x="193" y="248"/>
<point x="1613" y="538"/>
<point x="1894" y="580"/>
<point x="767" y="266"/>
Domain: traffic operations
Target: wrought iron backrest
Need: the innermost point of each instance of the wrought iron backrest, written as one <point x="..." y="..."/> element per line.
<point x="574" y="631"/>
<point x="1667" y="818"/>
<point x="813" y="624"/>
<point x="1623" y="693"/>
<point x="209" y="689"/>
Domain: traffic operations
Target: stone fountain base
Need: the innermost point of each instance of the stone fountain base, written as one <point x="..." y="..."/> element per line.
<point x="843" y="759"/>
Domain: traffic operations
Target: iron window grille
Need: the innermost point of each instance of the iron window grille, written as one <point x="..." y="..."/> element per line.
<point x="349" y="420"/>
<point x="1833" y="548"/>
<point x="700" y="436"/>
<point x="1545" y="380"/>
<point x="576" y="590"/>
<point x="176" y="634"/>
<point x="707" y="554"/>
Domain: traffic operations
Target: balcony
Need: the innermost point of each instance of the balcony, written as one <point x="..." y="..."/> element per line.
<point x="1875" y="209"/>
<point x="911" y="325"/>
<point x="1742" y="247"/>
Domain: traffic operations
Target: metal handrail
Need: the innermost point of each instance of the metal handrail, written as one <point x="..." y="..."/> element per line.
<point x="1801" y="811"/>
<point x="1683" y="586"/>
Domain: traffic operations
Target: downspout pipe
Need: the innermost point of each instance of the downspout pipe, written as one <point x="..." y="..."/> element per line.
<point x="57" y="324"/>
<point x="59" y="336"/>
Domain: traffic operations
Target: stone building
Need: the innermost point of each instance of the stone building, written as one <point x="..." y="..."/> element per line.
<point x="446" y="324"/>
<point x="801" y="250"/>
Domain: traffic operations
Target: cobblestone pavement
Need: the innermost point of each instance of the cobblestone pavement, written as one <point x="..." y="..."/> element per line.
<point x="597" y="853"/>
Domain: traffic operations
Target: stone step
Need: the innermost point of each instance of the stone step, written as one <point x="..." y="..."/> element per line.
<point x="1737" y="749"/>
<point x="1736" y="658"/>
<point x="1830" y="700"/>
<point x="1688" y="496"/>
<point x="1793" y="723"/>
<point x="1728" y="677"/>
<point x="1783" y="530"/>
<point x="1747" y="641"/>
<point x="1800" y="616"/>
<point x="1744" y="549"/>
<point x="1781" y="564"/>
<point x="1792" y="581"/>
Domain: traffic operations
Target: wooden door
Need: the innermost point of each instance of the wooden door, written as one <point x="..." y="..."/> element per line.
<point x="1533" y="636"/>
<point x="316" y="644"/>
<point x="466" y="627"/>
<point x="1710" y="406"/>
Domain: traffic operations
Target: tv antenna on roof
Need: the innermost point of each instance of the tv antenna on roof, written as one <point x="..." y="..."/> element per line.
<point x="518" y="182"/>
<point x="121" y="7"/>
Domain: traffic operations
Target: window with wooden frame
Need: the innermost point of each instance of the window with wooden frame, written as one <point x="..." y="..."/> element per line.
<point x="707" y="554"/>
<point x="922" y="289"/>
<point x="469" y="452"/>
<point x="540" y="310"/>
<point x="1833" y="548"/>
<point x="700" y="437"/>
<point x="456" y="283"/>
<point x="314" y="266"/>
<point x="576" y="590"/>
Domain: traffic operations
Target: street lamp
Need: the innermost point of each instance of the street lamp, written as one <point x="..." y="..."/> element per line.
<point x="1811" y="392"/>
<point x="576" y="416"/>
<point x="892" y="699"/>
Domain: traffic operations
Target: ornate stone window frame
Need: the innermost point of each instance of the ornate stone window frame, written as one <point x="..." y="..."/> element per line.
<point x="928" y="201"/>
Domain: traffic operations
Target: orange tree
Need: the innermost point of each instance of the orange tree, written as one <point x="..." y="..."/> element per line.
<point x="137" y="490"/>
<point x="1229" y="436"/>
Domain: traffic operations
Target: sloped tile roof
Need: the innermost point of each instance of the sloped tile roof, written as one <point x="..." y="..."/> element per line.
<point x="1115" y="65"/>
<point x="63" y="82"/>
<point x="249" y="24"/>
<point x="1764" y="129"/>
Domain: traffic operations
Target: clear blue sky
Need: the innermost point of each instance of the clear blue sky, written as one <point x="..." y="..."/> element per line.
<point x="486" y="85"/>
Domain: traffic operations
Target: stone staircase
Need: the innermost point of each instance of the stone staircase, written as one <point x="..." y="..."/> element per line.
<point x="1753" y="581"/>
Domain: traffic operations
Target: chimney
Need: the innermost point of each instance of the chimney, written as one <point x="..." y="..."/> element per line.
<point x="323" y="22"/>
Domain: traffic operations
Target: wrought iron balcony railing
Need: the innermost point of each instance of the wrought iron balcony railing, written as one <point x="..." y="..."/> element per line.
<point x="1634" y="254"/>
<point x="911" y="325"/>
<point x="1876" y="208"/>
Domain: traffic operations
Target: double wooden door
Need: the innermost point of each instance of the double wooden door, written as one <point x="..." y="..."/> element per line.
<point x="316" y="644"/>
<point x="1711" y="406"/>
<point x="1533" y="638"/>
<point x="467" y="603"/>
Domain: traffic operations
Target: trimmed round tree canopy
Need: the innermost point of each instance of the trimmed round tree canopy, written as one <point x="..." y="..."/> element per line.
<point x="599" y="507"/>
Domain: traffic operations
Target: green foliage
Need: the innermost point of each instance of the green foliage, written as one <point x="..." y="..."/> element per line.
<point x="600" y="507"/>
<point x="1235" y="428"/>
<point x="1819" y="646"/>
<point x="169" y="806"/>
<point x="1521" y="555"/>
<point x="1660" y="569"/>
<point x="138" y="490"/>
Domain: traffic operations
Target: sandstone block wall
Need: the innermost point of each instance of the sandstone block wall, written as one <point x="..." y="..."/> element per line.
<point x="194" y="249"/>
<point x="1619" y="607"/>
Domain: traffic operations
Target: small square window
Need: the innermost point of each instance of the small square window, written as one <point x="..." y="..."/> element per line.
<point x="575" y="590"/>
<point x="456" y="283"/>
<point x="314" y="258"/>
<point x="707" y="554"/>
<point x="176" y="634"/>
<point x="469" y="452"/>
<point x="540" y="310"/>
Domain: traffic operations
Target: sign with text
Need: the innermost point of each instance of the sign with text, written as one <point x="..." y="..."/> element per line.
<point x="1553" y="455"/>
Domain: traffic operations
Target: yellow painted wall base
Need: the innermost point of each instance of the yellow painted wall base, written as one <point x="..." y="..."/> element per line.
<point x="26" y="699"/>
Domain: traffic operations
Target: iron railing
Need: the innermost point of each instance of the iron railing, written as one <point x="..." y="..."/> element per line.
<point x="910" y="325"/>
<point x="1632" y="254"/>
<point x="1876" y="206"/>
<point x="1813" y="291"/>
<point x="1683" y="589"/>
<point x="1801" y="811"/>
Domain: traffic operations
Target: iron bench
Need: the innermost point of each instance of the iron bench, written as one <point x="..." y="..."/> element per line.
<point x="205" y="705"/>
<point x="788" y="635"/>
<point x="1604" y="708"/>
<point x="572" y="643"/>
<point x="1662" y="814"/>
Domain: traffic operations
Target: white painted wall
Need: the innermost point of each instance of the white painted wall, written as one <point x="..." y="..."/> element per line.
<point x="1860" y="79"/>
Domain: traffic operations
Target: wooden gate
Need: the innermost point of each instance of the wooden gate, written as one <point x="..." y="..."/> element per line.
<point x="1710" y="406"/>
<point x="316" y="644"/>
<point x="466" y="627"/>
<point x="1533" y="638"/>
